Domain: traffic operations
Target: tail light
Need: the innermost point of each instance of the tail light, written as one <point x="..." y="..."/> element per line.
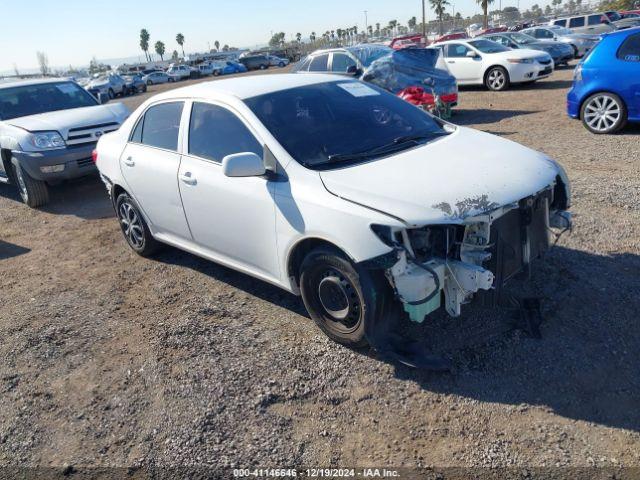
<point x="416" y="96"/>
<point x="94" y="156"/>
<point x="449" y="98"/>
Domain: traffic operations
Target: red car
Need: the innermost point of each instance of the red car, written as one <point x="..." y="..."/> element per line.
<point x="413" y="40"/>
<point x="451" y="36"/>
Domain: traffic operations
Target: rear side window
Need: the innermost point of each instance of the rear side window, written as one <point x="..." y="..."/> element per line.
<point x="595" y="19"/>
<point x="561" y="23"/>
<point x="456" y="50"/>
<point x="629" y="51"/>
<point x="319" y="63"/>
<point x="160" y="126"/>
<point x="215" y="132"/>
<point x="576" y="22"/>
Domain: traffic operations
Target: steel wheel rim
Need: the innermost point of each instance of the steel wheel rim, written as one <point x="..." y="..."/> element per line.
<point x="344" y="309"/>
<point x="602" y="113"/>
<point x="496" y="79"/>
<point x="131" y="225"/>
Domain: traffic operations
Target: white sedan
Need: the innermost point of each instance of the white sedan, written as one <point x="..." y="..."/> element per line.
<point x="367" y="206"/>
<point x="484" y="62"/>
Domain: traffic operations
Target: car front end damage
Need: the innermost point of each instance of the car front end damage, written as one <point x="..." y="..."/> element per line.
<point x="449" y="264"/>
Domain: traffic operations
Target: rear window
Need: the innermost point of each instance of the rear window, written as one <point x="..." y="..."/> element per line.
<point x="576" y="22"/>
<point x="629" y="51"/>
<point x="319" y="63"/>
<point x="595" y="19"/>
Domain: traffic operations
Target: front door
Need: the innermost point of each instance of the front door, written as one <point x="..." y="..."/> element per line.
<point x="150" y="163"/>
<point x="465" y="69"/>
<point x="233" y="218"/>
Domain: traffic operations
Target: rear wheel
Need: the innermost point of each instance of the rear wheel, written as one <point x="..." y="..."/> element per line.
<point x="112" y="94"/>
<point x="497" y="79"/>
<point x="33" y="192"/>
<point x="340" y="297"/>
<point x="603" y="113"/>
<point x="262" y="67"/>
<point x="281" y="64"/>
<point x="133" y="226"/>
<point x="149" y="82"/>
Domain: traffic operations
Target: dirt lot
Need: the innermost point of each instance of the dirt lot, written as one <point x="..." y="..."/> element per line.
<point x="109" y="359"/>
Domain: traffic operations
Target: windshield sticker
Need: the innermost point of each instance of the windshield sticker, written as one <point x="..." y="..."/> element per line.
<point x="358" y="89"/>
<point x="67" y="88"/>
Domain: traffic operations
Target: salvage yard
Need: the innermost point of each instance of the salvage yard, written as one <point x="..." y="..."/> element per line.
<point x="110" y="359"/>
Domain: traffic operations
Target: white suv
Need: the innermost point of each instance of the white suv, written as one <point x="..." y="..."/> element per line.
<point x="181" y="72"/>
<point x="48" y="130"/>
<point x="384" y="211"/>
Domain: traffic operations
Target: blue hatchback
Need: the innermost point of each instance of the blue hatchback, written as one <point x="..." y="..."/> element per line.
<point x="606" y="83"/>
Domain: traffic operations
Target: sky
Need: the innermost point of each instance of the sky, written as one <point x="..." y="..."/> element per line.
<point x="71" y="32"/>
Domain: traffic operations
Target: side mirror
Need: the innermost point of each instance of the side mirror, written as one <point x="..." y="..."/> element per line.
<point x="471" y="54"/>
<point x="245" y="164"/>
<point x="353" y="70"/>
<point x="103" y="98"/>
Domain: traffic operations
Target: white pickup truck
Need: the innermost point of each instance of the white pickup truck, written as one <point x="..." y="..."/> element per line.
<point x="48" y="130"/>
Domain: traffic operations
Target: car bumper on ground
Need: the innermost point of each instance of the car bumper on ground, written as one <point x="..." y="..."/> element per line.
<point x="528" y="72"/>
<point x="63" y="164"/>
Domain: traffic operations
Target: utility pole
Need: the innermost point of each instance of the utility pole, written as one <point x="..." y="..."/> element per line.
<point x="424" y="22"/>
<point x="366" y="25"/>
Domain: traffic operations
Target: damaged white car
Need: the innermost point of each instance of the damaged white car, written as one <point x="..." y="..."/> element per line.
<point x="336" y="190"/>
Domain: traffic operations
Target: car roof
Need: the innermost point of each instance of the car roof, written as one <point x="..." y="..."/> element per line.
<point x="20" y="82"/>
<point x="250" y="86"/>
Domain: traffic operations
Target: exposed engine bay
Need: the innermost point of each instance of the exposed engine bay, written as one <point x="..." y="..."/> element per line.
<point x="474" y="258"/>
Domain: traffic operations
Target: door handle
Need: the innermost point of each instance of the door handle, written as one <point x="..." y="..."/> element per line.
<point x="129" y="162"/>
<point x="187" y="178"/>
<point x="451" y="61"/>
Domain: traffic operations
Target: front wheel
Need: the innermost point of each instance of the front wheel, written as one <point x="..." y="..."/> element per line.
<point x="263" y="67"/>
<point x="33" y="192"/>
<point x="340" y="297"/>
<point x="170" y="80"/>
<point x="112" y="94"/>
<point x="603" y="113"/>
<point x="497" y="79"/>
<point x="133" y="226"/>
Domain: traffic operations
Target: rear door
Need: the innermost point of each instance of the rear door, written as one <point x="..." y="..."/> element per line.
<point x="628" y="62"/>
<point x="150" y="163"/>
<point x="341" y="62"/>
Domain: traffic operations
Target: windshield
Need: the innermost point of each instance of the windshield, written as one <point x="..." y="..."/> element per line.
<point x="327" y="124"/>
<point x="487" y="46"/>
<point x="367" y="54"/>
<point x="521" y="38"/>
<point x="40" y="98"/>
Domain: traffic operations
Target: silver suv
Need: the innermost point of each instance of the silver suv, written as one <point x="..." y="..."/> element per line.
<point x="581" y="43"/>
<point x="591" y="23"/>
<point x="48" y="130"/>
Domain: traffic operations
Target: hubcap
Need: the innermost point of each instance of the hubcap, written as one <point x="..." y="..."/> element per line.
<point x="602" y="113"/>
<point x="339" y="299"/>
<point x="131" y="225"/>
<point x="496" y="79"/>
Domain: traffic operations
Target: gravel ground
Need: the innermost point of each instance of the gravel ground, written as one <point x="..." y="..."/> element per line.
<point x="111" y="360"/>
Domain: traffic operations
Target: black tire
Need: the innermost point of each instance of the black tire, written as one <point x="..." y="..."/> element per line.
<point x="216" y="73"/>
<point x="34" y="193"/>
<point x="170" y="80"/>
<point x="149" y="82"/>
<point x="133" y="226"/>
<point x="575" y="50"/>
<point x="281" y="64"/>
<point x="329" y="282"/>
<point x="263" y="67"/>
<point x="112" y="94"/>
<point x="614" y="110"/>
<point x="496" y="79"/>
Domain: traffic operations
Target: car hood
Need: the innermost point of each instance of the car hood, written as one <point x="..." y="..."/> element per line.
<point x="517" y="53"/>
<point x="580" y="36"/>
<point x="463" y="174"/>
<point x="64" y="120"/>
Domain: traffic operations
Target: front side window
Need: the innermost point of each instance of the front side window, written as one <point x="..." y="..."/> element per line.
<point x="40" y="98"/>
<point x="560" y="23"/>
<point x="319" y="63"/>
<point x="341" y="62"/>
<point x="457" y="50"/>
<point x="215" y="132"/>
<point x="331" y="124"/>
<point x="595" y="19"/>
<point x="160" y="126"/>
<point x="630" y="49"/>
<point x="576" y="22"/>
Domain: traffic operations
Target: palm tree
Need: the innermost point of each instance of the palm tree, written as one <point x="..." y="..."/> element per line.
<point x="144" y="42"/>
<point x="180" y="41"/>
<point x="485" y="6"/>
<point x="411" y="23"/>
<point x="159" y="46"/>
<point x="439" y="7"/>
<point x="392" y="25"/>
<point x="377" y="29"/>
<point x="298" y="37"/>
<point x="217" y="45"/>
<point x="312" y="37"/>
